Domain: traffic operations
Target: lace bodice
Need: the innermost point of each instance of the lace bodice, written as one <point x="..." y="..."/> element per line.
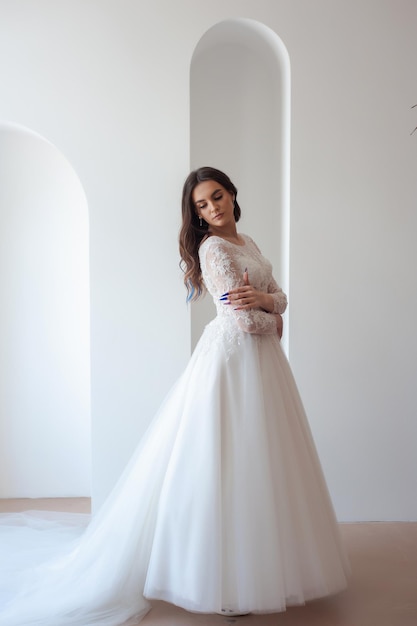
<point x="223" y="264"/>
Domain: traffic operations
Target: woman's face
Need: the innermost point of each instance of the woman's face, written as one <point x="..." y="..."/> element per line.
<point x="214" y="204"/>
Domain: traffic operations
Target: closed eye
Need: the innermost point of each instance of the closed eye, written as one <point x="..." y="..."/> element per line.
<point x="203" y="205"/>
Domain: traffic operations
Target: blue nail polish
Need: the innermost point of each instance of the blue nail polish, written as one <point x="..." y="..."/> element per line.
<point x="225" y="294"/>
<point x="223" y="298"/>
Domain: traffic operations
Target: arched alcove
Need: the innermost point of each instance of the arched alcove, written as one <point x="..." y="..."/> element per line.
<point x="240" y="123"/>
<point x="44" y="321"/>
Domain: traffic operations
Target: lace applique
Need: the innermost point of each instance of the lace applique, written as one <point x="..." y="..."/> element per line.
<point x="223" y="265"/>
<point x="224" y="336"/>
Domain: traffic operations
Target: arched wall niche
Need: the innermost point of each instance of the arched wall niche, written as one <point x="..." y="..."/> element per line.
<point x="240" y="123"/>
<point x="44" y="321"/>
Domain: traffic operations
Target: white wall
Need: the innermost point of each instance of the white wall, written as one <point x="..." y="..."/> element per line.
<point x="44" y="321"/>
<point x="108" y="83"/>
<point x="353" y="255"/>
<point x="77" y="73"/>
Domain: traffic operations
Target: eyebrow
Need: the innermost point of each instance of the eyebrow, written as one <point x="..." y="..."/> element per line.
<point x="214" y="192"/>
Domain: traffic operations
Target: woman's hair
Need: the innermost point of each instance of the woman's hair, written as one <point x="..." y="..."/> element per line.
<point x="191" y="233"/>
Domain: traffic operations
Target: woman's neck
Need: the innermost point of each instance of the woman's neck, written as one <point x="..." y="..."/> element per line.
<point x="230" y="234"/>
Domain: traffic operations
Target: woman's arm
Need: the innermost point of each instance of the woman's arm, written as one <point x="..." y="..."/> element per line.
<point x="222" y="276"/>
<point x="247" y="297"/>
<point x="274" y="301"/>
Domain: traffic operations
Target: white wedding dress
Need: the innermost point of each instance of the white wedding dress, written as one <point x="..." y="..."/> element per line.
<point x="223" y="505"/>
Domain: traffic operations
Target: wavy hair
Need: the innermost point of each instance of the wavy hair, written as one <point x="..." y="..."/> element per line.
<point x="191" y="233"/>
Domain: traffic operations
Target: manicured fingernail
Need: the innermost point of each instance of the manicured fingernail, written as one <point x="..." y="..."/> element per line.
<point x="225" y="294"/>
<point x="246" y="269"/>
<point x="223" y="298"/>
<point x="238" y="308"/>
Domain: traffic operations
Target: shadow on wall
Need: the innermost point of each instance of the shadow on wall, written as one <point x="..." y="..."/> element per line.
<point x="240" y="123"/>
<point x="44" y="321"/>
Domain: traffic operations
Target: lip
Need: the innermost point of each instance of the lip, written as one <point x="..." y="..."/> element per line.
<point x="218" y="216"/>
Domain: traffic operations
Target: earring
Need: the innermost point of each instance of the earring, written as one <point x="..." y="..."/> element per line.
<point x="201" y="220"/>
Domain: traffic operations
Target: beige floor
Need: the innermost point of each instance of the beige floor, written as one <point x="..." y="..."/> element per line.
<point x="382" y="590"/>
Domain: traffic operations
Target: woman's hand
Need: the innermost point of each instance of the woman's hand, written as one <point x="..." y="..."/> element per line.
<point x="247" y="297"/>
<point x="280" y="324"/>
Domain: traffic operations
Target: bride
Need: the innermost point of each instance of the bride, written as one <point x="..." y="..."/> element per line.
<point x="223" y="507"/>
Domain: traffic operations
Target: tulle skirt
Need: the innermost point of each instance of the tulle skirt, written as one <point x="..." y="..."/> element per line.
<point x="223" y="506"/>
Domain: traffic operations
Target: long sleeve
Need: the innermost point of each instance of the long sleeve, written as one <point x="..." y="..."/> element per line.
<point x="280" y="299"/>
<point x="222" y="272"/>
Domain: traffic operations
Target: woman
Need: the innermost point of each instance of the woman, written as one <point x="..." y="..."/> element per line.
<point x="223" y="507"/>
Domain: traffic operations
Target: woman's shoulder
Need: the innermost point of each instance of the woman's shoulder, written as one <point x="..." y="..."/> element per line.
<point x="220" y="242"/>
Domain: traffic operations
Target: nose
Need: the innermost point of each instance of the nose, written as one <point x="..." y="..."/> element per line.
<point x="214" y="206"/>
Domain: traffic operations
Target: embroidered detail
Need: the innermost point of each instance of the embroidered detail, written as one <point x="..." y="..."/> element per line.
<point x="223" y="265"/>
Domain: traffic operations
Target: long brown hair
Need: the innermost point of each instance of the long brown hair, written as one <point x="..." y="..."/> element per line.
<point x="191" y="233"/>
